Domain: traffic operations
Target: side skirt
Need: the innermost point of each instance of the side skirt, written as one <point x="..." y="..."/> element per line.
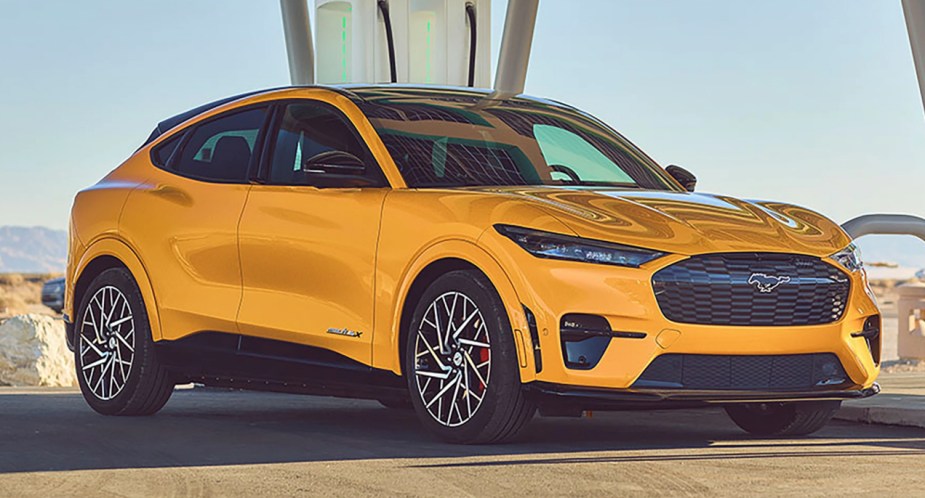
<point x="231" y="360"/>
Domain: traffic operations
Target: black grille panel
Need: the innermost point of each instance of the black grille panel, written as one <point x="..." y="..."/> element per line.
<point x="715" y="289"/>
<point x="718" y="372"/>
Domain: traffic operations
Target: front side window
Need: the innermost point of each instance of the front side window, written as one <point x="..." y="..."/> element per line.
<point x="317" y="146"/>
<point x="463" y="141"/>
<point x="221" y="149"/>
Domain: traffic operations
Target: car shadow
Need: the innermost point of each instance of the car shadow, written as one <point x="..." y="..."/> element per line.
<point x="57" y="431"/>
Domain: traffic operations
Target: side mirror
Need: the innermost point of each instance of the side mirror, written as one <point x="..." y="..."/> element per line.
<point x="683" y="176"/>
<point x="334" y="163"/>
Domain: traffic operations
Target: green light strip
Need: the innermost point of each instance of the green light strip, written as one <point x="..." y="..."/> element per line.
<point x="343" y="49"/>
<point x="428" y="77"/>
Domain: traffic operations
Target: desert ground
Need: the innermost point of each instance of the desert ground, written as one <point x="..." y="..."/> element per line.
<point x="21" y="293"/>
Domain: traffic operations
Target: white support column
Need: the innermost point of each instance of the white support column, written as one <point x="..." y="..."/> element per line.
<point x="516" y="43"/>
<point x="915" y="23"/>
<point x="298" y="33"/>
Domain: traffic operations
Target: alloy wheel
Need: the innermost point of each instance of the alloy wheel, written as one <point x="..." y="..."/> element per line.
<point x="107" y="342"/>
<point x="452" y="362"/>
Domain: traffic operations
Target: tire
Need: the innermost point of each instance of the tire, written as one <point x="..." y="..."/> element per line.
<point x="461" y="390"/>
<point x="783" y="419"/>
<point x="117" y="366"/>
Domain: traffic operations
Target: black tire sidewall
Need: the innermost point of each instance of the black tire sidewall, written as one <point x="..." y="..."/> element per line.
<point x="783" y="419"/>
<point x="504" y="380"/>
<point x="144" y="354"/>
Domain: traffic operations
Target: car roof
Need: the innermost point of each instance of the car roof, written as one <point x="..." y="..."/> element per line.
<point x="373" y="93"/>
<point x="356" y="92"/>
<point x="172" y="121"/>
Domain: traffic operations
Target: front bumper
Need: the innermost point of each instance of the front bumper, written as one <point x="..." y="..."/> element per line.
<point x="558" y="398"/>
<point x="626" y="299"/>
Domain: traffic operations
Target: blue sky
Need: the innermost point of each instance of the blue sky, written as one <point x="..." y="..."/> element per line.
<point x="811" y="102"/>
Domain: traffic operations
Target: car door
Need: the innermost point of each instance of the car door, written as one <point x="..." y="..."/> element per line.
<point x="183" y="221"/>
<point x="308" y="235"/>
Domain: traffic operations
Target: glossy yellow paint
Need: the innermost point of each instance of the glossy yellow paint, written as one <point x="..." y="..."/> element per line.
<point x="289" y="263"/>
<point x="185" y="231"/>
<point x="306" y="271"/>
<point x="114" y="248"/>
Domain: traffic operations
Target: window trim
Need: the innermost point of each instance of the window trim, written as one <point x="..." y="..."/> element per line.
<point x="180" y="136"/>
<point x="186" y="132"/>
<point x="263" y="174"/>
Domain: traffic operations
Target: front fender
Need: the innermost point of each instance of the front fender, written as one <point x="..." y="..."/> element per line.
<point x="478" y="257"/>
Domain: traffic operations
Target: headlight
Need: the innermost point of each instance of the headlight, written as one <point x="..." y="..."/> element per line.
<point x="849" y="257"/>
<point x="557" y="246"/>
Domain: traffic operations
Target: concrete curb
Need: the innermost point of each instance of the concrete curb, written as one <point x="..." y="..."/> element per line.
<point x="886" y="415"/>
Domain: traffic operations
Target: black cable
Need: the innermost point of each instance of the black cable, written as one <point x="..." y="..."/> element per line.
<point x="470" y="13"/>
<point x="384" y="8"/>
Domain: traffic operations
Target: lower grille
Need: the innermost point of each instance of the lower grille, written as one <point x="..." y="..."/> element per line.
<point x="752" y="289"/>
<point x="726" y="372"/>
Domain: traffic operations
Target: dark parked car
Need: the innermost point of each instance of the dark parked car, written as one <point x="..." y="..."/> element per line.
<point x="53" y="294"/>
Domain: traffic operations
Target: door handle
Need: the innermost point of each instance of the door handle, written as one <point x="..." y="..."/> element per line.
<point x="173" y="194"/>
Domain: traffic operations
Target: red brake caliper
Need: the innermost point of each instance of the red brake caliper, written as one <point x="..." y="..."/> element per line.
<point x="483" y="357"/>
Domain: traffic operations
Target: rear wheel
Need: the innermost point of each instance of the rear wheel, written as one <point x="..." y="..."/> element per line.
<point x="117" y="366"/>
<point x="461" y="363"/>
<point x="783" y="419"/>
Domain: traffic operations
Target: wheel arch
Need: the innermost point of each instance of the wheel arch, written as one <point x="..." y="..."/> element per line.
<point x="113" y="253"/>
<point x="439" y="260"/>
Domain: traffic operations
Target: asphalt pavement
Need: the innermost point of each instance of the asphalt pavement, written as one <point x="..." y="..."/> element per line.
<point x="231" y="443"/>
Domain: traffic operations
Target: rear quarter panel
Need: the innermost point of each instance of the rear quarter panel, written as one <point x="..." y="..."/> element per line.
<point x="95" y="216"/>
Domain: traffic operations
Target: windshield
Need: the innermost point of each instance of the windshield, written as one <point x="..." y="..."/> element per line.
<point x="455" y="141"/>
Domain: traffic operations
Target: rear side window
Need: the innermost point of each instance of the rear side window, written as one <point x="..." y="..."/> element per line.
<point x="161" y="154"/>
<point x="221" y="149"/>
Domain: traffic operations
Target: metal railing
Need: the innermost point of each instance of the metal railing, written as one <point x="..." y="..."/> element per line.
<point x="911" y="296"/>
<point x="885" y="224"/>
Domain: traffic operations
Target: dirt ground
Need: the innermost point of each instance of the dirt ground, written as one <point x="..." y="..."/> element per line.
<point x="224" y="443"/>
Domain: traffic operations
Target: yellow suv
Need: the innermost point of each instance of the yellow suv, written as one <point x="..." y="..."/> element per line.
<point x="474" y="259"/>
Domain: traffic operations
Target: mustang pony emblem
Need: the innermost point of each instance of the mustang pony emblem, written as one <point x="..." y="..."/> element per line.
<point x="767" y="283"/>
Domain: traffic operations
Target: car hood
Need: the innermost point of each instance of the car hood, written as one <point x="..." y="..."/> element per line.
<point x="686" y="223"/>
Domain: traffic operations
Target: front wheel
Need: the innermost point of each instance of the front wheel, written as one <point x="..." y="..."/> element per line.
<point x="117" y="366"/>
<point x="783" y="419"/>
<point x="461" y="363"/>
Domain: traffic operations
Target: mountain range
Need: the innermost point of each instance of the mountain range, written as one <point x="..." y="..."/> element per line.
<point x="32" y="250"/>
<point x="43" y="250"/>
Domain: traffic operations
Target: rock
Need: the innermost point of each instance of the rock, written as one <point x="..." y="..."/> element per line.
<point x="33" y="352"/>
